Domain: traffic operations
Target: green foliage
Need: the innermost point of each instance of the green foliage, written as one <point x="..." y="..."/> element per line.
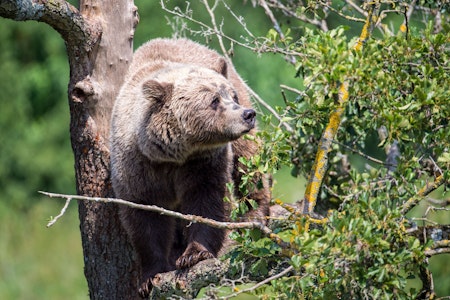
<point x="395" y="83"/>
<point x="363" y="251"/>
<point x="34" y="120"/>
<point x="396" y="120"/>
<point x="398" y="88"/>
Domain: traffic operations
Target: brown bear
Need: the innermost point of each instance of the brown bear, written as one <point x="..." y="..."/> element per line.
<point x="176" y="138"/>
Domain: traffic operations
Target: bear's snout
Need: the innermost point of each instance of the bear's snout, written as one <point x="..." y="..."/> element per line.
<point x="249" y="117"/>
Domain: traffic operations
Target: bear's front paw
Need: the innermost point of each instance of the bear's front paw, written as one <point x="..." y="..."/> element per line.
<point x="194" y="253"/>
<point x="145" y="288"/>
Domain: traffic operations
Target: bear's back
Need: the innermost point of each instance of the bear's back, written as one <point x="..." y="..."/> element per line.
<point x="174" y="50"/>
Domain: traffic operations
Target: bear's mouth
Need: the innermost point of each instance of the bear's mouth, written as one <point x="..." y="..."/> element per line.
<point x="247" y="130"/>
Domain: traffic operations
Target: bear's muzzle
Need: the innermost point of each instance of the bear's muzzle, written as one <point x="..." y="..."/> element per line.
<point x="249" y="117"/>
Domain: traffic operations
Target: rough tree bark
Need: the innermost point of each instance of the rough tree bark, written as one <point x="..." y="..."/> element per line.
<point x="99" y="39"/>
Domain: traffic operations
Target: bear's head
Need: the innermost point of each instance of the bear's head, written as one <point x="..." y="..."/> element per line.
<point x="191" y="109"/>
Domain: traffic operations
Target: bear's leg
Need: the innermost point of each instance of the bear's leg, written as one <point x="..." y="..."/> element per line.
<point x="203" y="241"/>
<point x="152" y="238"/>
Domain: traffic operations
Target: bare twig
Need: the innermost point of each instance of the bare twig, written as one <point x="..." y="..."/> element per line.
<point x="439" y="203"/>
<point x="292" y="12"/>
<point x="272" y="18"/>
<point x="356" y="7"/>
<point x="404" y="27"/>
<point x="259" y="43"/>
<point x="433" y="252"/>
<point x="276" y="26"/>
<point x="270" y="109"/>
<point x="370" y="158"/>
<point x="261" y="283"/>
<point x="291" y="89"/>
<point x="216" y="28"/>
<point x="382" y="27"/>
<point x="191" y="218"/>
<point x="63" y="211"/>
<point x="163" y="211"/>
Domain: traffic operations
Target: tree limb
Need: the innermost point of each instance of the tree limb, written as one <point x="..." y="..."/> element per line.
<point x="424" y="191"/>
<point x="187" y="283"/>
<point x="438" y="233"/>
<point x="289" y="11"/>
<point x="321" y="161"/>
<point x="59" y="14"/>
<point x="190" y="218"/>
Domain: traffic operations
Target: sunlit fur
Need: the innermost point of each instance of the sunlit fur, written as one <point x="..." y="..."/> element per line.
<point x="176" y="137"/>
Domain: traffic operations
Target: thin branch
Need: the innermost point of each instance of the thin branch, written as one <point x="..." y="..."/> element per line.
<point x="437" y="251"/>
<point x="426" y="277"/>
<point x="240" y="20"/>
<point x="424" y="191"/>
<point x="370" y="158"/>
<point x="177" y="12"/>
<point x="260" y="43"/>
<point x="439" y="203"/>
<point x="261" y="283"/>
<point x="170" y="213"/>
<point x="276" y="26"/>
<point x="216" y="29"/>
<point x="63" y="211"/>
<point x="404" y="27"/>
<point x="441" y="244"/>
<point x="270" y="109"/>
<point x="356" y="7"/>
<point x="294" y="90"/>
<point x="341" y="14"/>
<point x="438" y="233"/>
<point x="191" y="218"/>
<point x="292" y="12"/>
<point x="272" y="18"/>
<point x="382" y="27"/>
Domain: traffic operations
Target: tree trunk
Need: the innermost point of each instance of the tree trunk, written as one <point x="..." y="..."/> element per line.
<point x="99" y="39"/>
<point x="96" y="77"/>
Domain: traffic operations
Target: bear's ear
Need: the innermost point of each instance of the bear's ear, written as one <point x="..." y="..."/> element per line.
<point x="157" y="90"/>
<point x="220" y="66"/>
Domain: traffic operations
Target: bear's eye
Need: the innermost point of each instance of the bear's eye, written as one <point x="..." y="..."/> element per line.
<point x="235" y="98"/>
<point x="215" y="102"/>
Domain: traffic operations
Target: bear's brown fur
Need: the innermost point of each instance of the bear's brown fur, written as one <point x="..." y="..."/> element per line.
<point x="175" y="142"/>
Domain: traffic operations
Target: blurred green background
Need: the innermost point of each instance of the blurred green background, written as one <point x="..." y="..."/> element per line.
<point x="35" y="153"/>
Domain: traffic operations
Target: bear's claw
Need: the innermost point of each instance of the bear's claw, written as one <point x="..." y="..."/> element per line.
<point x="193" y="254"/>
<point x="146" y="287"/>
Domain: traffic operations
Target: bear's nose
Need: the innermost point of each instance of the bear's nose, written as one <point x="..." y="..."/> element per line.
<point x="249" y="116"/>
